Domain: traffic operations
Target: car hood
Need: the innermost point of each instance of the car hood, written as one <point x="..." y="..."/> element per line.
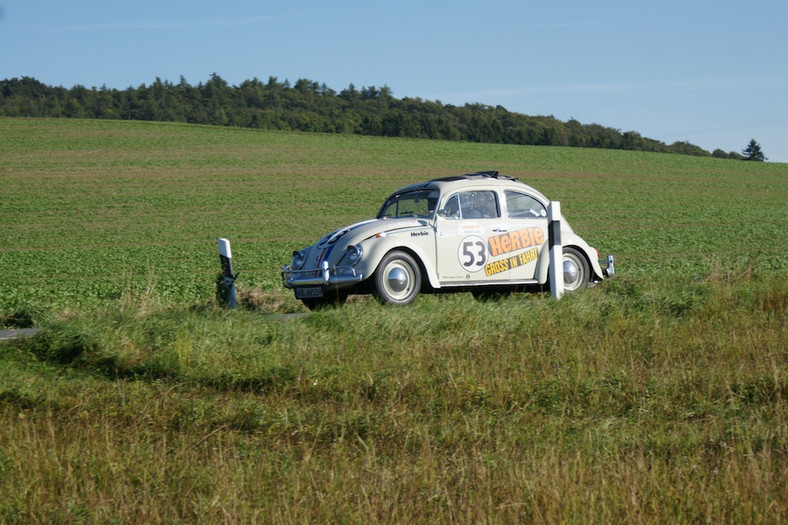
<point x="332" y="247"/>
<point x="363" y="230"/>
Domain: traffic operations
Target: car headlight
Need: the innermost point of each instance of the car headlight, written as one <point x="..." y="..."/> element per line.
<point x="298" y="260"/>
<point x="353" y="254"/>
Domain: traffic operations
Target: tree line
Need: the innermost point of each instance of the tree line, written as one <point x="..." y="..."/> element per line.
<point x="313" y="107"/>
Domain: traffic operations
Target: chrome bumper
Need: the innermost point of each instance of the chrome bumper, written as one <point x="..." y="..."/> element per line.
<point x="323" y="276"/>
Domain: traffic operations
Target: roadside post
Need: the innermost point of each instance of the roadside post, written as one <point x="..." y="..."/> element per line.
<point x="225" y="283"/>
<point x="556" y="270"/>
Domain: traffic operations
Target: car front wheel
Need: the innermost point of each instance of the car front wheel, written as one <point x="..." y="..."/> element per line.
<point x="576" y="271"/>
<point x="397" y="279"/>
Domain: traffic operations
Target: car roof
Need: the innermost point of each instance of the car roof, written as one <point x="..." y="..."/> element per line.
<point x="490" y="179"/>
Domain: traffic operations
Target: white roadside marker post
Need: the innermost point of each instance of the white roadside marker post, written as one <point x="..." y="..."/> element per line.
<point x="556" y="269"/>
<point x="225" y="284"/>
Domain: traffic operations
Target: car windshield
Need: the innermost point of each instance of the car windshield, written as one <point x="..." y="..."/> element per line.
<point x="416" y="203"/>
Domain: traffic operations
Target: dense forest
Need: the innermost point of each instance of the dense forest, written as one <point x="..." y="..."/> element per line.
<point x="313" y="107"/>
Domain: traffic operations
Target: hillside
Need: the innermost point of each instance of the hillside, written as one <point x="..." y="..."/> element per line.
<point x="93" y="208"/>
<point x="312" y="107"/>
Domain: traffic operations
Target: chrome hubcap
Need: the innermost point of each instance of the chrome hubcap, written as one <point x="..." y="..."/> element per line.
<point x="397" y="280"/>
<point x="570" y="272"/>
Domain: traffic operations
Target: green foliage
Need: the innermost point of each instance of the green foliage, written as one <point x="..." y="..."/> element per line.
<point x="753" y="152"/>
<point x="720" y="154"/>
<point x="24" y="316"/>
<point x="312" y="107"/>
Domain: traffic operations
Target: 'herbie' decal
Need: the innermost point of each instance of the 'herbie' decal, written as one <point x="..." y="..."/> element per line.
<point x="515" y="241"/>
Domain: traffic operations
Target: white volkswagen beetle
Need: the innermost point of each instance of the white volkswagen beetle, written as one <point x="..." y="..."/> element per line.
<point x="481" y="232"/>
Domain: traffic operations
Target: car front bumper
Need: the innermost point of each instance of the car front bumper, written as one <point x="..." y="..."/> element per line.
<point x="336" y="277"/>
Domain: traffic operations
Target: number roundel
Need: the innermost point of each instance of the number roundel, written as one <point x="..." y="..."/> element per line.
<point x="472" y="253"/>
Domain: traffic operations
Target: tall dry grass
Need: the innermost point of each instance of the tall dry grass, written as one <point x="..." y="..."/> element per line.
<point x="628" y="403"/>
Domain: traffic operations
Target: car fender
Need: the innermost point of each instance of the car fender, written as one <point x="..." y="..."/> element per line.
<point x="418" y="242"/>
<point x="568" y="238"/>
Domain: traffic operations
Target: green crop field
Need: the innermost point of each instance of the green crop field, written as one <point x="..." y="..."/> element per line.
<point x="657" y="396"/>
<point x="93" y="209"/>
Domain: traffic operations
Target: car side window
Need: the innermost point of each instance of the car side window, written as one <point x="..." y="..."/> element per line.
<point x="471" y="205"/>
<point x="451" y="210"/>
<point x="522" y="206"/>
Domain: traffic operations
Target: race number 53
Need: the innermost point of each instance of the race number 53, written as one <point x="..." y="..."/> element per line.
<point x="472" y="253"/>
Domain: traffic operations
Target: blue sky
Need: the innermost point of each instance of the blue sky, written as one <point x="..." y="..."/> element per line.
<point x="714" y="73"/>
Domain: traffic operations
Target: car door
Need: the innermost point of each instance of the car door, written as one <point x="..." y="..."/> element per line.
<point x="526" y="235"/>
<point x="463" y="224"/>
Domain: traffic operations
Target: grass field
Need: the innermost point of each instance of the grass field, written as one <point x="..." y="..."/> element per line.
<point x="91" y="210"/>
<point x="658" y="396"/>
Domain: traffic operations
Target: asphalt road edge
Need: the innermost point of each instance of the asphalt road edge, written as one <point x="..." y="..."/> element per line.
<point x="6" y="335"/>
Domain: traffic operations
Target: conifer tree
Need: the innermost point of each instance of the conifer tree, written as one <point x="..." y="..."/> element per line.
<point x="753" y="152"/>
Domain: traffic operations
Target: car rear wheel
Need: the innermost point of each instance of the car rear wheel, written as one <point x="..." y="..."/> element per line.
<point x="397" y="279"/>
<point x="576" y="270"/>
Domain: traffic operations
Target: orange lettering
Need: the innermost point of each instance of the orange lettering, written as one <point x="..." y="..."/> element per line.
<point x="495" y="246"/>
<point x="506" y="244"/>
<point x="525" y="238"/>
<point x="510" y="242"/>
<point x="515" y="241"/>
